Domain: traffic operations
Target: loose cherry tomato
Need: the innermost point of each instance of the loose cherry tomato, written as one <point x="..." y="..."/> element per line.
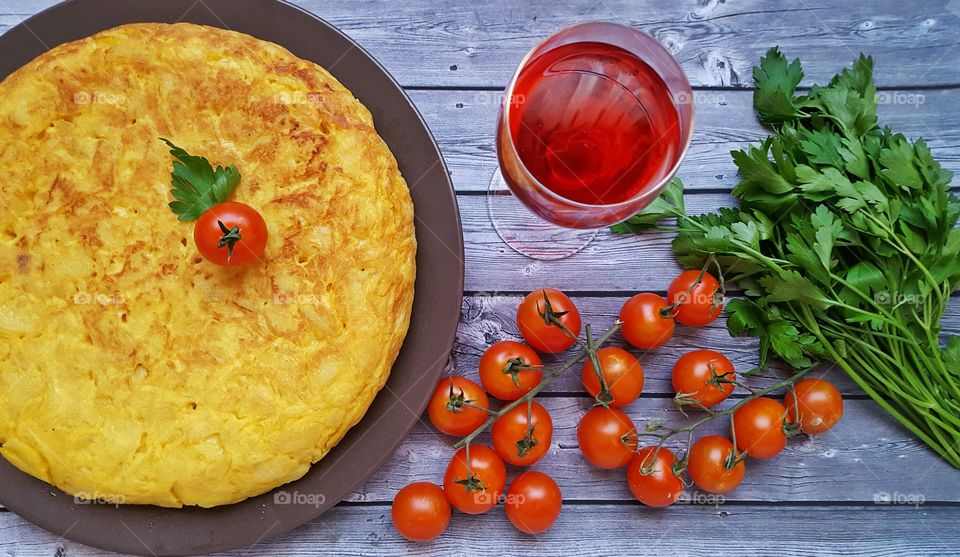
<point x="231" y="234"/>
<point x="622" y="373"/>
<point x="707" y="464"/>
<point x="509" y="370"/>
<point x="533" y="502"/>
<point x="758" y="426"/>
<point x="660" y="486"/>
<point x="701" y="305"/>
<point x="520" y="441"/>
<point x="478" y="490"/>
<point x="420" y="511"/>
<point x="604" y="437"/>
<point x="644" y="323"/>
<point x="448" y="410"/>
<point x="545" y="337"/>
<point x="692" y="377"/>
<point x="819" y="402"/>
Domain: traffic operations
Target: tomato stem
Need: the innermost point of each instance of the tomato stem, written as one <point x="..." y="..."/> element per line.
<point x="229" y="239"/>
<point x="713" y="415"/>
<point x="546" y="381"/>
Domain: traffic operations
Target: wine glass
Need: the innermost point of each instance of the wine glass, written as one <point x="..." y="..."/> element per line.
<point x="592" y="127"/>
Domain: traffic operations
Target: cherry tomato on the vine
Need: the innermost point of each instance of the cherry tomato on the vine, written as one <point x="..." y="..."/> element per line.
<point x="420" y="511"/>
<point x="758" y="427"/>
<point x="693" y="379"/>
<point x="819" y="402"/>
<point x="604" y="435"/>
<point x="651" y="478"/>
<point x="448" y="410"/>
<point x="520" y="441"/>
<point x="707" y="464"/>
<point x="231" y="234"/>
<point x="621" y="372"/>
<point x="478" y="490"/>
<point x="509" y="370"/>
<point x="644" y="323"/>
<point x="533" y="502"/>
<point x="549" y="338"/>
<point x="701" y="305"/>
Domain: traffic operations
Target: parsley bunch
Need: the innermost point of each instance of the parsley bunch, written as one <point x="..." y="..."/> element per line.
<point x="845" y="244"/>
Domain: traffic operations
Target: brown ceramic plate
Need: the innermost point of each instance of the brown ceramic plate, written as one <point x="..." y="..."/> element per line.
<point x="436" y="307"/>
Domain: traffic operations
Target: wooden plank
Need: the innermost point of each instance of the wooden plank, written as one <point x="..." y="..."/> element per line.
<point x="593" y="530"/>
<point x="488" y="319"/>
<point x="480" y="43"/>
<point x="464" y="123"/>
<point x="864" y="455"/>
<point x="627" y="263"/>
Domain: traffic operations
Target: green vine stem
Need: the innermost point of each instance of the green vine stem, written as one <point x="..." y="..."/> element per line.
<point x="548" y="378"/>
<point x="663" y="437"/>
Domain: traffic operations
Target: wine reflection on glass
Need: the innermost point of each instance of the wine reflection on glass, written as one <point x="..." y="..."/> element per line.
<point x="592" y="127"/>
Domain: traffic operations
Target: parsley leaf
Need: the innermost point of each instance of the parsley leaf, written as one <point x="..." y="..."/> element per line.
<point x="197" y="186"/>
<point x="776" y="80"/>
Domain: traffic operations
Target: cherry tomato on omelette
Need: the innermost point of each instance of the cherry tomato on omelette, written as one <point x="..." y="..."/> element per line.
<point x="707" y="465"/>
<point x="533" y="502"/>
<point x="604" y="436"/>
<point x="521" y="441"/>
<point x="448" y="410"/>
<point x="478" y="491"/>
<point x="420" y="511"/>
<point x="758" y="426"/>
<point x="548" y="338"/>
<point x="701" y="305"/>
<point x="621" y="372"/>
<point x="651" y="479"/>
<point x="693" y="377"/>
<point x="231" y="234"/>
<point x="819" y="402"/>
<point x="509" y="370"/>
<point x="644" y="323"/>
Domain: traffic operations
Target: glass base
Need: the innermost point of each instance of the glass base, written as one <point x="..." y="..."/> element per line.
<point x="525" y="232"/>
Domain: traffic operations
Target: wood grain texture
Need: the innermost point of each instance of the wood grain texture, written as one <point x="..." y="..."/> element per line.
<point x="464" y="123"/>
<point x="627" y="263"/>
<point x="815" y="498"/>
<point x="480" y="43"/>
<point x="867" y="453"/>
<point x="487" y="319"/>
<point x="600" y="530"/>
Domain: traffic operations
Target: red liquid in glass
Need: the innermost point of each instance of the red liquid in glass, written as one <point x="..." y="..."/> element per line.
<point x="594" y="123"/>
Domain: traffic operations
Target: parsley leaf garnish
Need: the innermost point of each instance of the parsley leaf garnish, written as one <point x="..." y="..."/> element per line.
<point x="197" y="185"/>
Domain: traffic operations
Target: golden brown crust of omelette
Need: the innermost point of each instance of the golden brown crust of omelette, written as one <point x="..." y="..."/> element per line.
<point x="129" y="367"/>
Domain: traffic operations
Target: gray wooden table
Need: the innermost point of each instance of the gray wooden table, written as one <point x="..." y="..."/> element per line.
<point x="822" y="495"/>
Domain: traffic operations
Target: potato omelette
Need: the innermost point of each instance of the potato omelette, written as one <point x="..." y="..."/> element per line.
<point x="131" y="369"/>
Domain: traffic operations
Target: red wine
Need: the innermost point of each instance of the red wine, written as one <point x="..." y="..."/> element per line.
<point x="594" y="123"/>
